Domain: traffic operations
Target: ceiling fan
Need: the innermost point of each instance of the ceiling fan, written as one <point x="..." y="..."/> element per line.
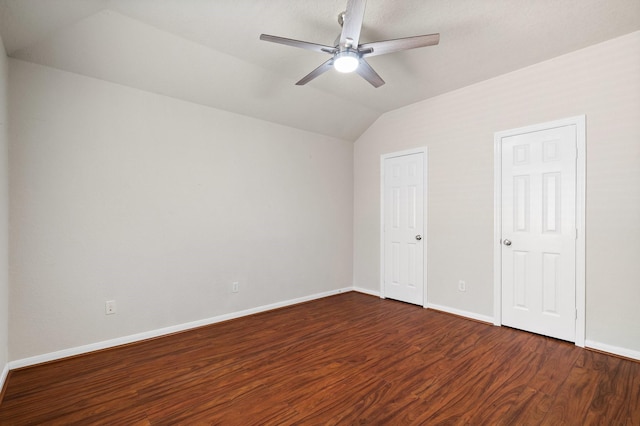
<point x="347" y="55"/>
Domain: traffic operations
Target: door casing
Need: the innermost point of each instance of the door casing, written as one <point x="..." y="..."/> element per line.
<point x="580" y="123"/>
<point x="384" y="157"/>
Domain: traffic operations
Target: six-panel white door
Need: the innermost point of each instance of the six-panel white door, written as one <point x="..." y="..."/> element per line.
<point x="539" y="231"/>
<point x="403" y="228"/>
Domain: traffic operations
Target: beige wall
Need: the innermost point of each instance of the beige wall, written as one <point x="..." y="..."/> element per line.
<point x="602" y="82"/>
<point x="4" y="216"/>
<point x="160" y="205"/>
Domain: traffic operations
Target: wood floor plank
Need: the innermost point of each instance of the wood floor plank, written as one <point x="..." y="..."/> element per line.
<point x="618" y="380"/>
<point x="347" y="359"/>
<point x="529" y="408"/>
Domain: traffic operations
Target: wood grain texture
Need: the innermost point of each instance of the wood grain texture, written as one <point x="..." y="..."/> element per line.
<point x="346" y="359"/>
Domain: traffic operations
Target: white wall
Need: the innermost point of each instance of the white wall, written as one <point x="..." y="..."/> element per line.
<point x="160" y="205"/>
<point x="601" y="81"/>
<point x="4" y="219"/>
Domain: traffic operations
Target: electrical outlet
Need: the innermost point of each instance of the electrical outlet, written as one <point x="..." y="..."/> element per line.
<point x="235" y="287"/>
<point x="462" y="286"/>
<point x="110" y="307"/>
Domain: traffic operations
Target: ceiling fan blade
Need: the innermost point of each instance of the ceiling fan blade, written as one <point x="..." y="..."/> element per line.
<point x="352" y="24"/>
<point x="297" y="43"/>
<point x="365" y="71"/>
<point x="390" y="46"/>
<point x="315" y="73"/>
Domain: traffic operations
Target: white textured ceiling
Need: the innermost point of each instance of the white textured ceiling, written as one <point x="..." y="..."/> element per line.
<point x="208" y="51"/>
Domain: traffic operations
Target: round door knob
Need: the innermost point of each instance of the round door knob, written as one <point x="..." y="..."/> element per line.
<point x="507" y="242"/>
<point x="418" y="237"/>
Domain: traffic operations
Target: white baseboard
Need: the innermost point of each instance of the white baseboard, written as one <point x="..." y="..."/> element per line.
<point x="458" y="312"/>
<point x="53" y="356"/>
<point x="3" y="376"/>
<point x="366" y="291"/>
<point x="615" y="350"/>
<point x="461" y="313"/>
<point x="65" y="353"/>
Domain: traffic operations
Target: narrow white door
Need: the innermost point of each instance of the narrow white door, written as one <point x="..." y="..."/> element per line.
<point x="539" y="231"/>
<point x="403" y="228"/>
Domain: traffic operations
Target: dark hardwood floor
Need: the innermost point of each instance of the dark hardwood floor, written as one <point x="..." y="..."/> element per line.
<point x="347" y="359"/>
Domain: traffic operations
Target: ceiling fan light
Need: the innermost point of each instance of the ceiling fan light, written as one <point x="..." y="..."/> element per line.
<point x="346" y="61"/>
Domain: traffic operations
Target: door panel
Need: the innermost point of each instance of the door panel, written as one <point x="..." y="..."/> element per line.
<point x="539" y="231"/>
<point x="403" y="222"/>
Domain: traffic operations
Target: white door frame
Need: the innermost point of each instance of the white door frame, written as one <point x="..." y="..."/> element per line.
<point x="580" y="123"/>
<point x="384" y="157"/>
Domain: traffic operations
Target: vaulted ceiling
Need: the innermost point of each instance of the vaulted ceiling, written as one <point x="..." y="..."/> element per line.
<point x="208" y="51"/>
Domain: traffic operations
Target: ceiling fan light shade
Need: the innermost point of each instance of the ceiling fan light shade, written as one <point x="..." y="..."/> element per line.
<point x="346" y="61"/>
